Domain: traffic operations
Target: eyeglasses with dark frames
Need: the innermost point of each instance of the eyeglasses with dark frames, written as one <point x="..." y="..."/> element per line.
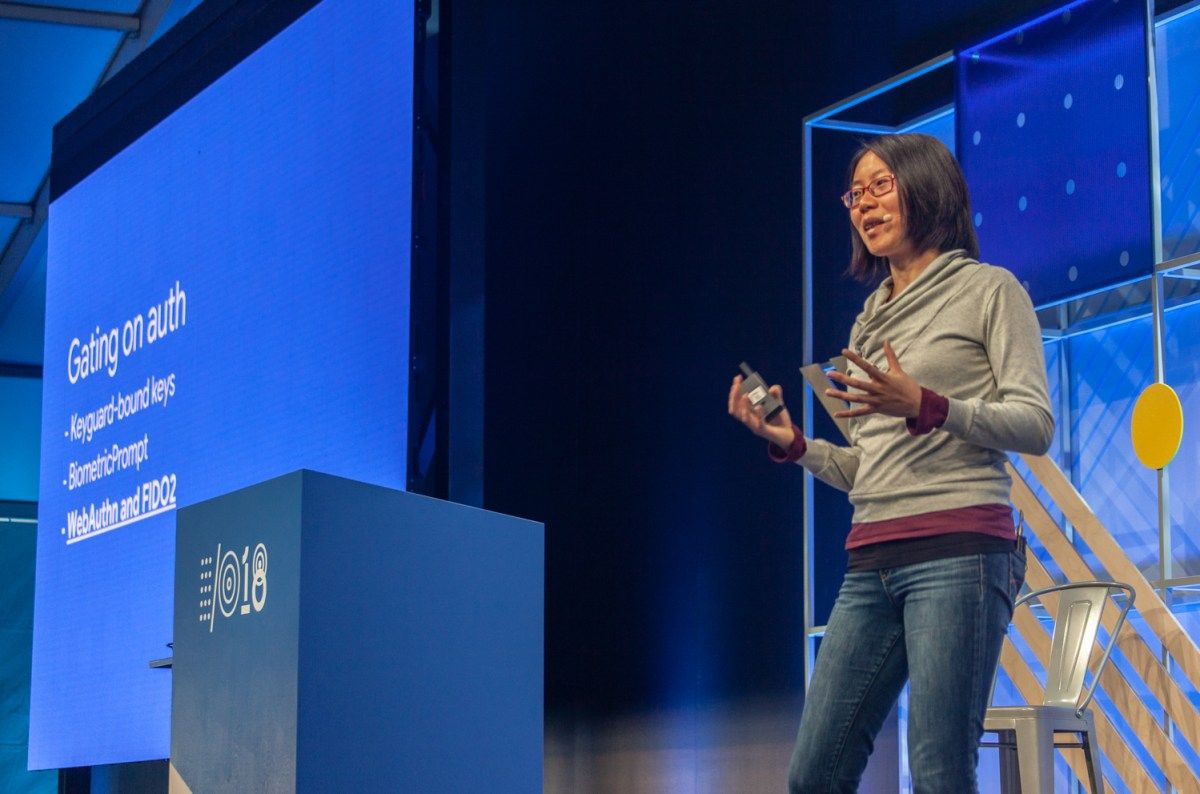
<point x="879" y="186"/>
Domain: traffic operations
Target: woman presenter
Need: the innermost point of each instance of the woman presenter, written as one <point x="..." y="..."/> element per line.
<point x="945" y="375"/>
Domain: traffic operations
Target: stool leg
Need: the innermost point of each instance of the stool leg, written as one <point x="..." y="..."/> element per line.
<point x="1035" y="756"/>
<point x="1096" y="779"/>
<point x="1010" y="774"/>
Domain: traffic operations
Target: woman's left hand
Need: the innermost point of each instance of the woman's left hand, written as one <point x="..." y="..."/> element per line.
<point x="892" y="393"/>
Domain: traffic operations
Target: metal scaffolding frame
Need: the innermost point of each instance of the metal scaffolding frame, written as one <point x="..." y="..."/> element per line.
<point x="1062" y="324"/>
<point x="138" y="29"/>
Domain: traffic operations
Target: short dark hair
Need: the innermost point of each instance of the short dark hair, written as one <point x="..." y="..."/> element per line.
<point x="933" y="198"/>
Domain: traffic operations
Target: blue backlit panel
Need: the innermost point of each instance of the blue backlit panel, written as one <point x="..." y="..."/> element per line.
<point x="1181" y="360"/>
<point x="227" y="300"/>
<point x="1177" y="53"/>
<point x="940" y="126"/>
<point x="42" y="86"/>
<point x="1053" y="125"/>
<point x="1109" y="369"/>
<point x="21" y="407"/>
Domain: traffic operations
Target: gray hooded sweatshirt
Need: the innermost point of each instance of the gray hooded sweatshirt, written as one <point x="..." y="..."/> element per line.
<point x="967" y="331"/>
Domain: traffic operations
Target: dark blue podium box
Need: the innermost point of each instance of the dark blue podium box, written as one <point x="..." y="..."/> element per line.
<point x="337" y="636"/>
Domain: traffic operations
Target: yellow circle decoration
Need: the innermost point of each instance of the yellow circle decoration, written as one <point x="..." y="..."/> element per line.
<point x="1157" y="426"/>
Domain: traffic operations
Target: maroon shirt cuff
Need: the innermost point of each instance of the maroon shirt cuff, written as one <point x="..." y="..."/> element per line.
<point x="934" y="408"/>
<point x="793" y="453"/>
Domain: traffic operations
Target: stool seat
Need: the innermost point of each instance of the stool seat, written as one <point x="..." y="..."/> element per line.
<point x="1027" y="738"/>
<point x="1060" y="718"/>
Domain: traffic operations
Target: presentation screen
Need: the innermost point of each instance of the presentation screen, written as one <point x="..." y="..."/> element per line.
<point x="227" y="301"/>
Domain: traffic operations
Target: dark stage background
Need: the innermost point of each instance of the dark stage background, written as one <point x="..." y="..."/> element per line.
<point x="625" y="198"/>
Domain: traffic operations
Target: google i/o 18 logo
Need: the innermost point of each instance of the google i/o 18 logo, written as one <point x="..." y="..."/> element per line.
<point x="233" y="583"/>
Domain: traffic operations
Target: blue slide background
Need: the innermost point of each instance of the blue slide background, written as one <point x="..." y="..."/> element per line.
<point x="279" y="199"/>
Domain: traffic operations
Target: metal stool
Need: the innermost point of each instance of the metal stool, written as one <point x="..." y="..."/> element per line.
<point x="1027" y="733"/>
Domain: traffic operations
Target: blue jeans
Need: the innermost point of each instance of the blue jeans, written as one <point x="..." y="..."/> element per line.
<point x="938" y="625"/>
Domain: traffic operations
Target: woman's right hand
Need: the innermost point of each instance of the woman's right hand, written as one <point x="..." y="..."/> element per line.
<point x="778" y="430"/>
